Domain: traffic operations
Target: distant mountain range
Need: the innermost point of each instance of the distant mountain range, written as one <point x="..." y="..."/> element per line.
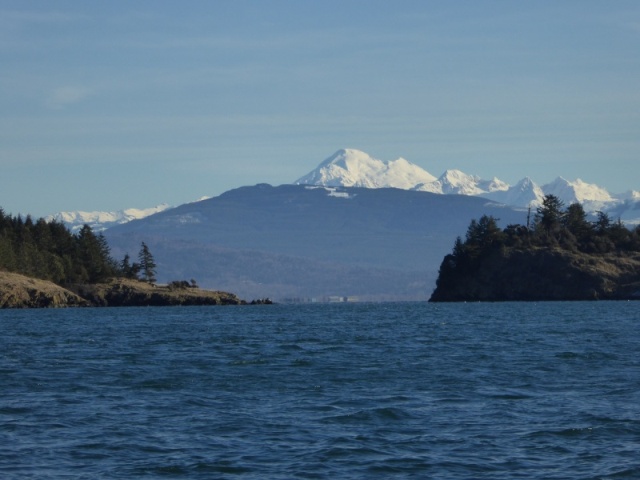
<point x="354" y="168"/>
<point x="100" y="221"/>
<point x="353" y="227"/>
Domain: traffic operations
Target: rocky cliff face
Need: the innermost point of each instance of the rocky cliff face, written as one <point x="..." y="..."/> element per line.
<point x="510" y="274"/>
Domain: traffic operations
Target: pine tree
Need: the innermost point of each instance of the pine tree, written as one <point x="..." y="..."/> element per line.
<point x="484" y="232"/>
<point x="576" y="221"/>
<point x="550" y="214"/>
<point x="129" y="270"/>
<point x="147" y="264"/>
<point x="95" y="263"/>
<point x="603" y="223"/>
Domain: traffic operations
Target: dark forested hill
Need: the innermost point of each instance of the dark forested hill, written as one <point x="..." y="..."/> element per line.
<point x="301" y="241"/>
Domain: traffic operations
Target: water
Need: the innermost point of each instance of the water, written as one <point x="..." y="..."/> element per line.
<point x="460" y="391"/>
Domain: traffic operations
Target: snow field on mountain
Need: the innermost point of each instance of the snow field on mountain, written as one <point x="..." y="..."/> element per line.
<point x="355" y="168"/>
<point x="350" y="167"/>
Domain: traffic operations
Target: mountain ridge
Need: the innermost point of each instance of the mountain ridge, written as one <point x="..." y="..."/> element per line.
<point x="525" y="193"/>
<point x="99" y="220"/>
<point x="354" y="168"/>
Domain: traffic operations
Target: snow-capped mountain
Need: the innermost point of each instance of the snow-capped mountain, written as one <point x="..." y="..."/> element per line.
<point x="590" y="196"/>
<point x="460" y="183"/>
<point x="523" y="194"/>
<point x="350" y="167"/>
<point x="99" y="221"/>
<point x="353" y="168"/>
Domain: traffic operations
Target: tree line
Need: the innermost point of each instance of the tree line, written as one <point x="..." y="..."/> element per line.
<point x="553" y="226"/>
<point x="48" y="250"/>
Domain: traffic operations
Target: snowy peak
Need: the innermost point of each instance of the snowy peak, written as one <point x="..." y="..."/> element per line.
<point x="349" y="167"/>
<point x="347" y="157"/>
<point x="576" y="191"/>
<point x="523" y="194"/>
<point x="457" y="182"/>
<point x="493" y="185"/>
<point x="99" y="221"/>
<point x="592" y="197"/>
<point x="354" y="168"/>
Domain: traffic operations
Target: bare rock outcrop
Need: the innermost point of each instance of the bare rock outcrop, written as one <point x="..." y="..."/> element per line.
<point x="132" y="293"/>
<point x="18" y="291"/>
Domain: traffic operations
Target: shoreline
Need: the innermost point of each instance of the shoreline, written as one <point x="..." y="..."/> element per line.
<point x="20" y="291"/>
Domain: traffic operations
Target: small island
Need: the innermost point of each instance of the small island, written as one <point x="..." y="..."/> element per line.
<point x="43" y="265"/>
<point x="557" y="255"/>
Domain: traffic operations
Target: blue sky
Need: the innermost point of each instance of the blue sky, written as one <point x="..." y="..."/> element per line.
<point x="108" y="105"/>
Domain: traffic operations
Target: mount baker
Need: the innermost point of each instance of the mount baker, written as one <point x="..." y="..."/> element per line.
<point x="355" y="168"/>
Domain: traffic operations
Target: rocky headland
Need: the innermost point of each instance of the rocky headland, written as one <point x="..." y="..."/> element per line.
<point x="539" y="274"/>
<point x="560" y="255"/>
<point x="19" y="291"/>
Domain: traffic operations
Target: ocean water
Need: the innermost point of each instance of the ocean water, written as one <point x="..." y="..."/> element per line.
<point x="348" y="391"/>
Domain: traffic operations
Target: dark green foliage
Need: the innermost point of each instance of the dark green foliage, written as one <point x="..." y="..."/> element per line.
<point x="603" y="223"/>
<point x="575" y="221"/>
<point x="182" y="285"/>
<point x="550" y="214"/>
<point x="95" y="263"/>
<point x="129" y="270"/>
<point x="48" y="250"/>
<point x="484" y="233"/>
<point x="554" y="226"/>
<point x="147" y="264"/>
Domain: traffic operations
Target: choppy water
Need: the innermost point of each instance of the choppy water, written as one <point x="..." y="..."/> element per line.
<point x="463" y="391"/>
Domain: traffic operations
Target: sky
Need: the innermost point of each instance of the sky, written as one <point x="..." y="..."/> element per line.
<point x="118" y="104"/>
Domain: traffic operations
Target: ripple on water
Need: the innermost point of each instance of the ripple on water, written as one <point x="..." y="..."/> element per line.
<point x="352" y="391"/>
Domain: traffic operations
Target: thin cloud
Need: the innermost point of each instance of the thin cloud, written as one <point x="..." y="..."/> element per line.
<point x="25" y="17"/>
<point x="67" y="95"/>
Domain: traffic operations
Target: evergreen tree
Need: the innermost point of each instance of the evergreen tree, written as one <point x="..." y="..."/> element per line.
<point x="603" y="223"/>
<point x="94" y="263"/>
<point x="484" y="232"/>
<point x="575" y="220"/>
<point x="556" y="228"/>
<point x="458" y="248"/>
<point x="7" y="254"/>
<point x="129" y="270"/>
<point x="620" y="235"/>
<point x="550" y="214"/>
<point x="147" y="264"/>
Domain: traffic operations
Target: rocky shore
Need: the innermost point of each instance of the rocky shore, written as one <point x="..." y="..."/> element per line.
<point x="537" y="274"/>
<point x="19" y="291"/>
